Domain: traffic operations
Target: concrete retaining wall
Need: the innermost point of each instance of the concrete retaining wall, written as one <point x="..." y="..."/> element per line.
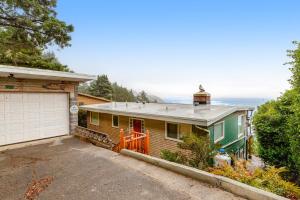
<point x="227" y="184"/>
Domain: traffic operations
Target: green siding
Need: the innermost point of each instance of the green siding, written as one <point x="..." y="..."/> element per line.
<point x="230" y="134"/>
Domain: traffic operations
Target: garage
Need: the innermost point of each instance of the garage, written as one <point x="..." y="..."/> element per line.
<point x="35" y="104"/>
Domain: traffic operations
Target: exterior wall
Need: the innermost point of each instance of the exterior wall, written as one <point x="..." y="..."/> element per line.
<point x="27" y="85"/>
<point x="230" y="133"/>
<point x="156" y="128"/>
<point x="86" y="100"/>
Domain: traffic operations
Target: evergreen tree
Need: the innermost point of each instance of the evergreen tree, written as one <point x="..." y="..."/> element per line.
<point x="101" y="87"/>
<point x="26" y="29"/>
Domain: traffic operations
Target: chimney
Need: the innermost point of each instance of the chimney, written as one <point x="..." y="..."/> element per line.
<point x="201" y="97"/>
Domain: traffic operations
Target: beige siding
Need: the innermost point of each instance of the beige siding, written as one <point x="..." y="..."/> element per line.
<point x="158" y="140"/>
<point x="86" y="100"/>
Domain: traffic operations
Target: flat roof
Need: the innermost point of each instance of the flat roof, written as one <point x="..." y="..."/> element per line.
<point x="203" y="115"/>
<point x="33" y="73"/>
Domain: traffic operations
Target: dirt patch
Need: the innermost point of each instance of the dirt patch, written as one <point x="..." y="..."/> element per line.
<point x="37" y="186"/>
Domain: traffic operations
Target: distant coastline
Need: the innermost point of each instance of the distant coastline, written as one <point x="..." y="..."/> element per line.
<point x="254" y="102"/>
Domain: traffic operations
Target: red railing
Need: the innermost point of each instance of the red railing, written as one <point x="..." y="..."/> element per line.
<point x="135" y="141"/>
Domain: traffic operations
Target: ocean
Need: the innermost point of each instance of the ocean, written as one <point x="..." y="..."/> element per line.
<point x="253" y="102"/>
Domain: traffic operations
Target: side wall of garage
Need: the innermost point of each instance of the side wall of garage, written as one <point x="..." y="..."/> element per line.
<point x="13" y="85"/>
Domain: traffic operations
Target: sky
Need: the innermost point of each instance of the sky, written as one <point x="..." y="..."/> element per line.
<point x="167" y="48"/>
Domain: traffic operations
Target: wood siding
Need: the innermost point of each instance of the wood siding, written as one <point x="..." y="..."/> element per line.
<point x="86" y="100"/>
<point x="158" y="141"/>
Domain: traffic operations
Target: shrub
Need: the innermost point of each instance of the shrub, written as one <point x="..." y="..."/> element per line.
<point x="268" y="179"/>
<point x="196" y="151"/>
<point x="176" y="157"/>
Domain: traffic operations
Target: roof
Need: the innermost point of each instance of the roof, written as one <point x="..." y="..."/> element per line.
<point x="94" y="97"/>
<point x="203" y="115"/>
<point x="33" y="73"/>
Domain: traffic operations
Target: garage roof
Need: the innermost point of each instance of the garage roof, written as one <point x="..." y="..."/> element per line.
<point x="33" y="73"/>
<point x="203" y="115"/>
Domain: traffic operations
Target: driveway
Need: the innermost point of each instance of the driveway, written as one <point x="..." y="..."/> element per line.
<point x="73" y="169"/>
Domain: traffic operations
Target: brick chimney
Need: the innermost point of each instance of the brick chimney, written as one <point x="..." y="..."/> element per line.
<point x="201" y="97"/>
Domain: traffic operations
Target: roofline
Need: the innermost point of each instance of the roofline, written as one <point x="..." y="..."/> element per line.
<point x="185" y="120"/>
<point x="43" y="74"/>
<point x="88" y="95"/>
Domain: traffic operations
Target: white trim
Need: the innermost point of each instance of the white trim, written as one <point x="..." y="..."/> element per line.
<point x="32" y="73"/>
<point x="223" y="132"/>
<point x="96" y="124"/>
<point x="178" y="131"/>
<point x="112" y="121"/>
<point x="243" y="125"/>
<point x="143" y="123"/>
<point x="178" y="119"/>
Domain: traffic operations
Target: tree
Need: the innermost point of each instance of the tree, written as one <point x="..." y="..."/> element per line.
<point x="122" y="94"/>
<point x="101" y="87"/>
<point x="26" y="29"/>
<point x="277" y="125"/>
<point x="142" y="96"/>
<point x="35" y="21"/>
<point x="295" y="65"/>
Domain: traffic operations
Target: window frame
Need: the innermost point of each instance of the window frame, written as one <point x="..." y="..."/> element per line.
<point x="112" y="121"/>
<point x="243" y="125"/>
<point x="91" y="119"/>
<point x="223" y="132"/>
<point x="178" y="131"/>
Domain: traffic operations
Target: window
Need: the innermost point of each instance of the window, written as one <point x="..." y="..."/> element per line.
<point x="241" y="125"/>
<point x="218" y="131"/>
<point x="115" y="121"/>
<point x="172" y="131"/>
<point x="94" y="118"/>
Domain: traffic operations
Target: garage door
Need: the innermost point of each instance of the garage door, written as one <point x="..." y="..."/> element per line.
<point x="32" y="116"/>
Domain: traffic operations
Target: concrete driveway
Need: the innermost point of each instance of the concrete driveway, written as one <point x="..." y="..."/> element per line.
<point x="73" y="169"/>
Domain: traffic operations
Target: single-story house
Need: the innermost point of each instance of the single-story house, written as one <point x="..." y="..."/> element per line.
<point x="226" y="125"/>
<point x="37" y="104"/>
<point x="86" y="99"/>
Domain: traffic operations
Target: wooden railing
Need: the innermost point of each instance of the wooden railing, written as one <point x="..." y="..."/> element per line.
<point x="135" y="141"/>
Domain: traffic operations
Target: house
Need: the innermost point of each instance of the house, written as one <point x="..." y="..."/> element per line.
<point x="86" y="99"/>
<point x="37" y="104"/>
<point x="166" y="123"/>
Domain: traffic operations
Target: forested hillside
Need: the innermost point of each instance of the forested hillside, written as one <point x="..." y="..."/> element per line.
<point x="102" y="87"/>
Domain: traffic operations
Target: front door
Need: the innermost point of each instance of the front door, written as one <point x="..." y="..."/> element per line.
<point x="137" y="125"/>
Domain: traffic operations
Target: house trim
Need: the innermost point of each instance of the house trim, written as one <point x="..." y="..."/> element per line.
<point x="91" y="121"/>
<point x="178" y="131"/>
<point x="223" y="132"/>
<point x="112" y="121"/>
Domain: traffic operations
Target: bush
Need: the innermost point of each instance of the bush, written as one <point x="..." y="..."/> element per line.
<point x="176" y="157"/>
<point x="268" y="179"/>
<point x="196" y="151"/>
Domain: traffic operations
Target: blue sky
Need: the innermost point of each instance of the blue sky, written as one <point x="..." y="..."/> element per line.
<point x="168" y="47"/>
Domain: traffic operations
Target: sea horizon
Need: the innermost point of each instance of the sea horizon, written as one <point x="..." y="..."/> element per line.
<point x="232" y="101"/>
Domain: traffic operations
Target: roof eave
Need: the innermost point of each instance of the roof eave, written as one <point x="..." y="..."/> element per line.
<point x="200" y="122"/>
<point x="40" y="74"/>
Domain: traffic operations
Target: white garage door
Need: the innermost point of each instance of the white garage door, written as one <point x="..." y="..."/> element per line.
<point x="32" y="116"/>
